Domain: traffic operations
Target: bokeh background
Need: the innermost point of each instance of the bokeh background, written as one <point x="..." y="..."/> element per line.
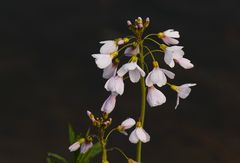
<point x="49" y="79"/>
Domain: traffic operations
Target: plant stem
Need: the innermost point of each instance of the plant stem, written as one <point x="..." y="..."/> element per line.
<point x="143" y="100"/>
<point x="104" y="152"/>
<point x="103" y="144"/>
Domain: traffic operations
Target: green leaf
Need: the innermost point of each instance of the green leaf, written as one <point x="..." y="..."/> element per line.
<point x="49" y="160"/>
<point x="91" y="153"/>
<point x="71" y="134"/>
<point x="56" y="157"/>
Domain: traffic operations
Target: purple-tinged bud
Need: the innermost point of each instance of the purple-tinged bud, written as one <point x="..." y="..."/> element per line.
<point x="129" y="23"/>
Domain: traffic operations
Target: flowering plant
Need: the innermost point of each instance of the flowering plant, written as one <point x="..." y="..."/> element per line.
<point x="136" y="48"/>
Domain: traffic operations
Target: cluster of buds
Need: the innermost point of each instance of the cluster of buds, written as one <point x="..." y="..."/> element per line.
<point x="138" y="24"/>
<point x="100" y="122"/>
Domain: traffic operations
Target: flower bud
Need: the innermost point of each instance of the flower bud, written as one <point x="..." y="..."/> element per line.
<point x="129" y="23"/>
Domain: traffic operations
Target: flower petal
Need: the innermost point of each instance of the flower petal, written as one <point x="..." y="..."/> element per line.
<point x="85" y="147"/>
<point x="74" y="147"/>
<point x="102" y="60"/>
<point x="155" y="97"/>
<point x="109" y="71"/>
<point x="168" y="58"/>
<point x="185" y="63"/>
<point x="109" y="103"/>
<point x="141" y="71"/>
<point x="158" y="77"/>
<point x="142" y="135"/>
<point x="133" y="137"/>
<point x="134" y="75"/>
<point x="108" y="47"/>
<point x="169" y="74"/>
<point x="128" y="123"/>
<point x="148" y="81"/>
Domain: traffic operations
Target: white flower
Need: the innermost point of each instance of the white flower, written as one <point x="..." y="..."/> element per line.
<point x="130" y="51"/>
<point x="74" y="147"/>
<point x="85" y="147"/>
<point x="169" y="36"/>
<point x="135" y="72"/>
<point x="157" y="76"/>
<point x="175" y="53"/>
<point x="115" y="84"/>
<point x="127" y="124"/>
<point x="108" y="47"/>
<point x="155" y="97"/>
<point x="109" y="71"/>
<point x="139" y="134"/>
<point x="183" y="91"/>
<point x="104" y="60"/>
<point x="109" y="104"/>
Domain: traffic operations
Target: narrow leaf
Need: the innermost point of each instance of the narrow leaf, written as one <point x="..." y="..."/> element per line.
<point x="71" y="134"/>
<point x="58" y="157"/>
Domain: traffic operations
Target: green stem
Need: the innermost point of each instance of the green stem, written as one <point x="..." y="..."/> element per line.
<point x="103" y="144"/>
<point x="110" y="132"/>
<point x="143" y="100"/>
<point x="153" y="41"/>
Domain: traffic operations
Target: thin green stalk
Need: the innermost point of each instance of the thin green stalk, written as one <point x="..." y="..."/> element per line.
<point x="143" y="100"/>
<point x="103" y="144"/>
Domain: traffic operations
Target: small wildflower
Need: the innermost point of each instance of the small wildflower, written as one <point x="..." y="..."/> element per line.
<point x="115" y="84"/>
<point x="135" y="72"/>
<point x="127" y="124"/>
<point x="175" y="53"/>
<point x="157" y="76"/>
<point x="182" y="91"/>
<point x="75" y="146"/>
<point x="139" y="134"/>
<point x="169" y="36"/>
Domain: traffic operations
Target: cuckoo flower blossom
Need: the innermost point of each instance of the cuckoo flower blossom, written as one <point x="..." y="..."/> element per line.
<point x="139" y="134"/>
<point x="155" y="97"/>
<point x="109" y="104"/>
<point x="175" y="54"/>
<point x="182" y="91"/>
<point x="157" y="76"/>
<point x="115" y="84"/>
<point x="127" y="124"/>
<point x="135" y="72"/>
<point x="104" y="60"/>
<point x="169" y="36"/>
<point x="75" y="146"/>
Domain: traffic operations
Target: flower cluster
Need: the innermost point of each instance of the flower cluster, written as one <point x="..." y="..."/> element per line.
<point x="136" y="48"/>
<point x="109" y="59"/>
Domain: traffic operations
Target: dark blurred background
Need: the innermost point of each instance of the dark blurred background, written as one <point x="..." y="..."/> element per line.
<point x="49" y="79"/>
